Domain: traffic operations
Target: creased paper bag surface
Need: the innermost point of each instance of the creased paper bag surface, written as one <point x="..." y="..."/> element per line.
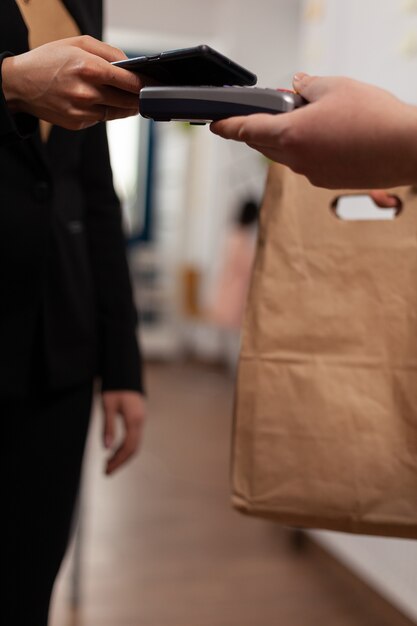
<point x="325" y="429"/>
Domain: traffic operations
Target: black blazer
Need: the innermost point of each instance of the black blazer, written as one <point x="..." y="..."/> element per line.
<point x="66" y="304"/>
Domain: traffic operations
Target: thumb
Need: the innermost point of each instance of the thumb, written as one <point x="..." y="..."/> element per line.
<point x="310" y="87"/>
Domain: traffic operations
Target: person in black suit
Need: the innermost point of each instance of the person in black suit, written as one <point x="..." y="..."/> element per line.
<point x="66" y="310"/>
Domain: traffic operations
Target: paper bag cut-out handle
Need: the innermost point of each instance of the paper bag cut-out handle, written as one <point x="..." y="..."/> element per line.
<point x="362" y="207"/>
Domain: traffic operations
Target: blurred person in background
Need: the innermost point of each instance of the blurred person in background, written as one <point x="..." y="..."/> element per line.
<point x="67" y="313"/>
<point x="230" y="294"/>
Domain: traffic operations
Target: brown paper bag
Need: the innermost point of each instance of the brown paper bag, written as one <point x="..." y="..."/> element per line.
<point x="325" y="429"/>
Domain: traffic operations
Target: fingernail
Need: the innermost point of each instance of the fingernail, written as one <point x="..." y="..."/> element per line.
<point x="107" y="441"/>
<point x="299" y="76"/>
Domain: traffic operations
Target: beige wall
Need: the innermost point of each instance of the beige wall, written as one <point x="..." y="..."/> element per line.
<point x="262" y="35"/>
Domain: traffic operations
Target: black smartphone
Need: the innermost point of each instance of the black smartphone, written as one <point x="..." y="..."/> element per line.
<point x="200" y="65"/>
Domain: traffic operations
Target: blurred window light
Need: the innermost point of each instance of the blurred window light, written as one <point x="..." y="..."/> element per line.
<point x="129" y="144"/>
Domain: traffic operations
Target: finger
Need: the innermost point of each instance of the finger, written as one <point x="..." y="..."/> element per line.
<point x="126" y="450"/>
<point x="99" y="48"/>
<point x="111" y="97"/>
<point x="384" y="200"/>
<point x="86" y="96"/>
<point x="133" y="414"/>
<point x="107" y="114"/>
<point x="228" y="128"/>
<point x="260" y="128"/>
<point x="101" y="69"/>
<point x="122" y="79"/>
<point x="245" y="128"/>
<point x="97" y="71"/>
<point x="301" y="81"/>
<point x="119" y="458"/>
<point x="81" y="119"/>
<point x="98" y="113"/>
<point x="313" y="88"/>
<point x="109" y="422"/>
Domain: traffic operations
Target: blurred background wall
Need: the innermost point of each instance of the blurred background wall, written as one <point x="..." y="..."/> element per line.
<point x="198" y="183"/>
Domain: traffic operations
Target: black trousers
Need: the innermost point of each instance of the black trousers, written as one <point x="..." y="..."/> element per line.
<point x="43" y="440"/>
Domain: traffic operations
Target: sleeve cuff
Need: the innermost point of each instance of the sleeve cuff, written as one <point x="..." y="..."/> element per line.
<point x="121" y="364"/>
<point x="16" y="127"/>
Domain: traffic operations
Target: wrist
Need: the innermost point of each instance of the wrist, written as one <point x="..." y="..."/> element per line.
<point x="9" y="86"/>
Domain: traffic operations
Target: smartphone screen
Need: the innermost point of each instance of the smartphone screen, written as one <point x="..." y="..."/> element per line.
<point x="198" y="66"/>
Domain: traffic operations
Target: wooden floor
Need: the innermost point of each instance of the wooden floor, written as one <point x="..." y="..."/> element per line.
<point x="161" y="546"/>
